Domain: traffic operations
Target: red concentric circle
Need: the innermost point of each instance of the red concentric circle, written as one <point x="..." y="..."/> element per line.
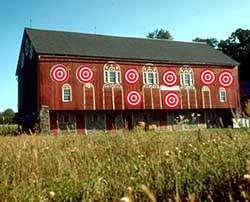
<point x="172" y="100"/>
<point x="207" y="77"/>
<point x="59" y="74"/>
<point x="169" y="78"/>
<point x="131" y="76"/>
<point x="225" y="78"/>
<point x="84" y="74"/>
<point x="133" y="98"/>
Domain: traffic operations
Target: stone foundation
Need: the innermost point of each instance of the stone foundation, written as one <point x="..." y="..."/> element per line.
<point x="44" y="120"/>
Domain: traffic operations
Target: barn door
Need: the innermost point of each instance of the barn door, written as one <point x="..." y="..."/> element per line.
<point x="110" y="121"/>
<point x="66" y="123"/>
<point x="128" y="119"/>
<point x="95" y="122"/>
<point x="89" y="122"/>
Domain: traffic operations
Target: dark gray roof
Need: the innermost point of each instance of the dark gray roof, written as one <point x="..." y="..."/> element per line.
<point x="78" y="44"/>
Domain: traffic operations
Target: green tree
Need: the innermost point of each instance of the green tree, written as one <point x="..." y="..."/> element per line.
<point x="7" y="116"/>
<point x="160" y="34"/>
<point x="210" y="41"/>
<point x="237" y="46"/>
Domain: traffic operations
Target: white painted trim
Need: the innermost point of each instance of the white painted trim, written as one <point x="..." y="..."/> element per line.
<point x="221" y="89"/>
<point x="188" y="98"/>
<point x="94" y="106"/>
<point x="181" y="99"/>
<point x="143" y="96"/>
<point x="206" y="89"/>
<point x="103" y="97"/>
<point x="210" y="99"/>
<point x="84" y="98"/>
<point x="149" y="68"/>
<point x="195" y="97"/>
<point x="66" y="86"/>
<point x="112" y="67"/>
<point x="88" y="85"/>
<point x="152" y="98"/>
<point x="113" y="97"/>
<point x="173" y="88"/>
<point x="186" y="70"/>
<point x="160" y="99"/>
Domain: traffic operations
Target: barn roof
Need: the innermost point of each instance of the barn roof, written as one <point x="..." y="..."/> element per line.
<point x="92" y="45"/>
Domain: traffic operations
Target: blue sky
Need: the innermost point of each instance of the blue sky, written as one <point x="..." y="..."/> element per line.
<point x="185" y="20"/>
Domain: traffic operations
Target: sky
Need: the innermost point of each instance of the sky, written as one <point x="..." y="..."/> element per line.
<point x="185" y="20"/>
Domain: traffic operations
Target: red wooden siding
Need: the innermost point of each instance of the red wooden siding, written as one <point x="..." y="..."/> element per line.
<point x="118" y="98"/>
<point x="184" y="99"/>
<point x="110" y="98"/>
<point x="89" y="93"/>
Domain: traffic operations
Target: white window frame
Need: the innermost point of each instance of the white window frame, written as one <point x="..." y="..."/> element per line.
<point x="222" y="90"/>
<point x="112" y="67"/>
<point x="154" y="78"/>
<point x="190" y="74"/>
<point x="117" y="76"/>
<point x="148" y="69"/>
<point x="66" y="87"/>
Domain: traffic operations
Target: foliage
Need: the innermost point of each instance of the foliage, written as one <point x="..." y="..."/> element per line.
<point x="237" y="46"/>
<point x="7" y="116"/>
<point x="8" y="129"/>
<point x="160" y="34"/>
<point x="210" y="41"/>
<point x="207" y="165"/>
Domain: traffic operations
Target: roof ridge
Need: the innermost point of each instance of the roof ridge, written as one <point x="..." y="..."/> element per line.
<point x="115" y="36"/>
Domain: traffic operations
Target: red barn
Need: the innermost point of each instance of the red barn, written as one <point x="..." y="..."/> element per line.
<point x="74" y="82"/>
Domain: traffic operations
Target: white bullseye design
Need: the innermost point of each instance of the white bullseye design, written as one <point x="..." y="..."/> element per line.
<point x="207" y="77"/>
<point x="133" y="98"/>
<point x="169" y="78"/>
<point x="85" y="74"/>
<point x="59" y="73"/>
<point x="131" y="76"/>
<point x="172" y="100"/>
<point x="225" y="78"/>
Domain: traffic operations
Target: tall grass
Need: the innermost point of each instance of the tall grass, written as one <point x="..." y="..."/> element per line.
<point x="188" y="166"/>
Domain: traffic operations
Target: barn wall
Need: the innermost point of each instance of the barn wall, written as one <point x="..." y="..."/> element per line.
<point x="27" y="81"/>
<point x="82" y="122"/>
<point x="111" y="98"/>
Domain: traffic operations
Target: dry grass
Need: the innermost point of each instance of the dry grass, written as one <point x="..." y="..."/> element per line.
<point x="183" y="166"/>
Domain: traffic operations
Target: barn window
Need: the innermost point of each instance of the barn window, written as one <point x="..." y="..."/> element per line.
<point x="187" y="77"/>
<point x="66" y="93"/>
<point x="112" y="73"/>
<point x="223" y="95"/>
<point x="150" y="75"/>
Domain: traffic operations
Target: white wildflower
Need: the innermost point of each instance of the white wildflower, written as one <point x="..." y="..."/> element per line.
<point x="52" y="194"/>
<point x="124" y="199"/>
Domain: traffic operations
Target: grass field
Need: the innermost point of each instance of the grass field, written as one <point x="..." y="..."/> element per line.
<point x="171" y="166"/>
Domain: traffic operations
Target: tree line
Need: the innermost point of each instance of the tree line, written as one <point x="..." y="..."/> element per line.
<point x="236" y="46"/>
<point x="7" y="116"/>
